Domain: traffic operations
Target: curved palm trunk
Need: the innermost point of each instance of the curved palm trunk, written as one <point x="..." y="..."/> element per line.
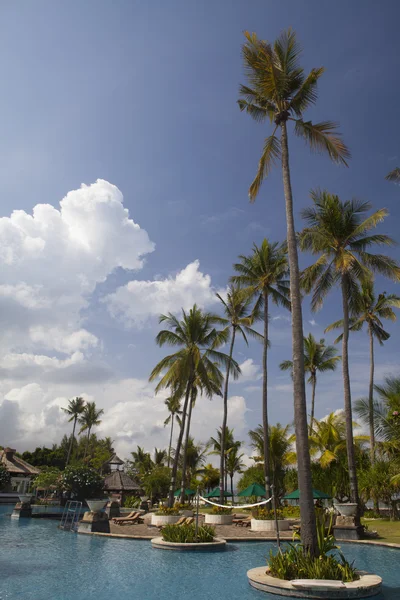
<point x="231" y="475"/>
<point x="265" y="401"/>
<point x="371" y="394"/>
<point x="347" y="394"/>
<point x="178" y="446"/>
<point x="170" y="440"/>
<point x="87" y="442"/>
<point x="72" y="441"/>
<point x="314" y="385"/>
<point x="224" y="423"/>
<point x="184" y="462"/>
<point x="307" y="513"/>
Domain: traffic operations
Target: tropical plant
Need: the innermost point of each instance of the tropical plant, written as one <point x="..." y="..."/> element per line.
<point x="230" y="444"/>
<point x="209" y="477"/>
<point x="5" y="477"/>
<point x="379" y="483"/>
<point x="89" y="418"/>
<point x="263" y="275"/>
<point x="186" y="534"/>
<point x="265" y="514"/>
<point x="317" y="358"/>
<point x="280" y="91"/>
<point x="197" y="338"/>
<point x="367" y="309"/>
<point x="82" y="482"/>
<point x="394" y="175"/>
<point x="238" y="319"/>
<point x="234" y="464"/>
<point x="173" y="404"/>
<point x="47" y="480"/>
<point x="280" y="451"/>
<point x="142" y="464"/>
<point x="196" y="454"/>
<point x="74" y="410"/>
<point x="156" y="482"/>
<point x="339" y="234"/>
<point x="221" y="510"/>
<point x="254" y="474"/>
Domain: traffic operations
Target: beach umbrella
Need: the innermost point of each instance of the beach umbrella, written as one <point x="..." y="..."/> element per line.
<point x="255" y="489"/>
<point x="216" y="494"/>
<point x="317" y="495"/>
<point x="187" y="492"/>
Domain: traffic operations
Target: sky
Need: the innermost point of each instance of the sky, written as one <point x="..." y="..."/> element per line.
<point x="124" y="170"/>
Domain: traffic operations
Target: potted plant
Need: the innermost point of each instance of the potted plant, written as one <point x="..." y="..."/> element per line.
<point x="264" y="520"/>
<point x="219" y="516"/>
<point x="165" y="516"/>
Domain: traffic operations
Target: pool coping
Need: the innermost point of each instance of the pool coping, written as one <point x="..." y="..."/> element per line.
<point x="239" y="539"/>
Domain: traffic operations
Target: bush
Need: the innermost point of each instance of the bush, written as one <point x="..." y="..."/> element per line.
<point x="267" y="515"/>
<point x="131" y="502"/>
<point x="82" y="482"/>
<point x="164" y="510"/>
<point x="372" y="514"/>
<point x="294" y="563"/>
<point x="218" y="510"/>
<point x="291" y="512"/>
<point x="186" y="534"/>
<point x="4" y="477"/>
<point x="185" y="506"/>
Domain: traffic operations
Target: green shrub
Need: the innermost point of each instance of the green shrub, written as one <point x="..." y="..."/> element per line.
<point x="5" y="477"/>
<point x="164" y="510"/>
<point x="372" y="514"/>
<point x="294" y="563"/>
<point x="131" y="502"/>
<point x="291" y="512"/>
<point x="267" y="515"/>
<point x="218" y="510"/>
<point x="184" y="506"/>
<point x="186" y="534"/>
<point x="83" y="482"/>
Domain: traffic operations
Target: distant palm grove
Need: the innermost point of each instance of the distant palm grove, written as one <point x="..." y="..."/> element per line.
<point x="353" y="454"/>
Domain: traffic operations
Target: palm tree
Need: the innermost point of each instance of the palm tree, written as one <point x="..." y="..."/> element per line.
<point x="368" y="310"/>
<point x="280" y="451"/>
<point x="339" y="234"/>
<point x="193" y="461"/>
<point x="280" y="91"/>
<point x="173" y="404"/>
<point x="210" y="477"/>
<point x="239" y="320"/>
<point x="229" y="444"/>
<point x="159" y="457"/>
<point x="89" y="418"/>
<point x="394" y="175"/>
<point x="142" y="462"/>
<point x="197" y="339"/>
<point x="263" y="275"/>
<point x="317" y="358"/>
<point x="234" y="464"/>
<point x="74" y="409"/>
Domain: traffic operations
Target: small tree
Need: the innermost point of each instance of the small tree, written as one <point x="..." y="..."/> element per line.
<point x="48" y="478"/>
<point x="4" y="477"/>
<point x="82" y="482"/>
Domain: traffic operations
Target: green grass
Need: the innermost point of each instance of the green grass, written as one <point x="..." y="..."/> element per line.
<point x="389" y="531"/>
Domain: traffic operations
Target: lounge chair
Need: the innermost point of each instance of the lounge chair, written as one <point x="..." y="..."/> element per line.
<point x="132" y="514"/>
<point x="129" y="520"/>
<point x="188" y="521"/>
<point x="242" y="522"/>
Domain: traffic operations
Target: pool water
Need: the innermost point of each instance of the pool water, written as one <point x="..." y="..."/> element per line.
<point x="40" y="562"/>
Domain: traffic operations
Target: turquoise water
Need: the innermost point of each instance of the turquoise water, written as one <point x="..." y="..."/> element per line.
<point x="40" y="562"/>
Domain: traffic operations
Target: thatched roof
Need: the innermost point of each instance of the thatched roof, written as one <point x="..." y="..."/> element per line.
<point x="115" y="460"/>
<point x="16" y="465"/>
<point x="120" y="481"/>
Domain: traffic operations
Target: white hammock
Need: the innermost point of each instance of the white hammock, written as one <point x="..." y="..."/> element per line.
<point x="237" y="506"/>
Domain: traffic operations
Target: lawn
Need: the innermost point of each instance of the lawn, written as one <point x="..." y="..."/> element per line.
<point x="389" y="531"/>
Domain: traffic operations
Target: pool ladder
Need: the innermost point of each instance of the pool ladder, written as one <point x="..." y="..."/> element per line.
<point x="70" y="516"/>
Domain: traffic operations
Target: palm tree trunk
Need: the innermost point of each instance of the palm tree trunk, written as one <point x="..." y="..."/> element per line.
<point x="224" y="421"/>
<point x="265" y="400"/>
<point x="347" y="395"/>
<point x="184" y="461"/>
<point x="232" y="487"/>
<point x="314" y="385"/>
<point x="72" y="441"/>
<point x="178" y="446"/>
<point x="307" y="513"/>
<point x="87" y="442"/>
<point x="170" y="440"/>
<point x="371" y="394"/>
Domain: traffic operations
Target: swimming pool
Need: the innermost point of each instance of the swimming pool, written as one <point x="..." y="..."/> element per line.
<point x="40" y="562"/>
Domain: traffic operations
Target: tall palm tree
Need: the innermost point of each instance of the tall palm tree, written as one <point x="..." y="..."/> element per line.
<point x="210" y="477"/>
<point x="197" y="338"/>
<point x="369" y="310"/>
<point x="263" y="275"/>
<point x="234" y="464"/>
<point x="280" y="91"/>
<point x="159" y="457"/>
<point x="193" y="461"/>
<point x="317" y="358"/>
<point x="230" y="444"/>
<point x="339" y="234"/>
<point x="89" y="418"/>
<point x="239" y="319"/>
<point x="173" y="404"/>
<point x="74" y="410"/>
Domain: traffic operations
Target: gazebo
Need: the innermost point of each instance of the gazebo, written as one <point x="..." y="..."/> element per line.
<point x="21" y="472"/>
<point x="118" y="482"/>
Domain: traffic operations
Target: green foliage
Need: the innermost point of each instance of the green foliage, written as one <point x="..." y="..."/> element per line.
<point x="291" y="512"/>
<point x="186" y="534"/>
<point x="82" y="482"/>
<point x="4" y="477"/>
<point x="165" y="510"/>
<point x="294" y="563"/>
<point x="263" y="514"/>
<point x="372" y="514"/>
<point x="48" y="478"/>
<point x="251" y="475"/>
<point x="218" y="510"/>
<point x="46" y="457"/>
<point x="156" y="482"/>
<point x="131" y="502"/>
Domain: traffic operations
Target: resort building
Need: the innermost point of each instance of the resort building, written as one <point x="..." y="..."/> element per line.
<point x="118" y="484"/>
<point x="21" y="472"/>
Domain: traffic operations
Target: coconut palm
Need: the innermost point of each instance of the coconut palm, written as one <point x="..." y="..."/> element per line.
<point x="369" y="310"/>
<point x="196" y="338"/>
<point x="173" y="404"/>
<point x="263" y="276"/>
<point x="280" y="91"/>
<point x="239" y="318"/>
<point x="210" y="477"/>
<point x="338" y="232"/>
<point x="89" y="418"/>
<point x="317" y="358"/>
<point x="159" y="457"/>
<point x="234" y="464"/>
<point x="74" y="410"/>
<point x="229" y="444"/>
<point x="193" y="461"/>
<point x="394" y="175"/>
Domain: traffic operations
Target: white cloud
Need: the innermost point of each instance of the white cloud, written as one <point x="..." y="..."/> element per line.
<point x="313" y="322"/>
<point x="23" y="360"/>
<point x="137" y="301"/>
<point x="250" y="371"/>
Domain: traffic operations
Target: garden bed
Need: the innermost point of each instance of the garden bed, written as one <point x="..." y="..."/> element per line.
<point x="215" y="545"/>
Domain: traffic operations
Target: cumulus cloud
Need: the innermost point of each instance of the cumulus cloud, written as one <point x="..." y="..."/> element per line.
<point x="137" y="301"/>
<point x="250" y="371"/>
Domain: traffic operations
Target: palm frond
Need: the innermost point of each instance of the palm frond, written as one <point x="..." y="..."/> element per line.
<point x="321" y="137"/>
<point x="394" y="175"/>
<point x="271" y="153"/>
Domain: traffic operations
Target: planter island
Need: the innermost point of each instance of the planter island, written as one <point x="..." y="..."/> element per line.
<point x="366" y="586"/>
<point x="215" y="545"/>
<point x="211" y="519"/>
<point x="269" y="525"/>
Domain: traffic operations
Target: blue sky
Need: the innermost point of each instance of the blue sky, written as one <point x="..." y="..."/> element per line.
<point x="143" y="95"/>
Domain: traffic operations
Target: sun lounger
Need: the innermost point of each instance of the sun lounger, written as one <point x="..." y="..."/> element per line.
<point x="242" y="522"/>
<point x="129" y="520"/>
<point x="188" y="521"/>
<point x="132" y="514"/>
